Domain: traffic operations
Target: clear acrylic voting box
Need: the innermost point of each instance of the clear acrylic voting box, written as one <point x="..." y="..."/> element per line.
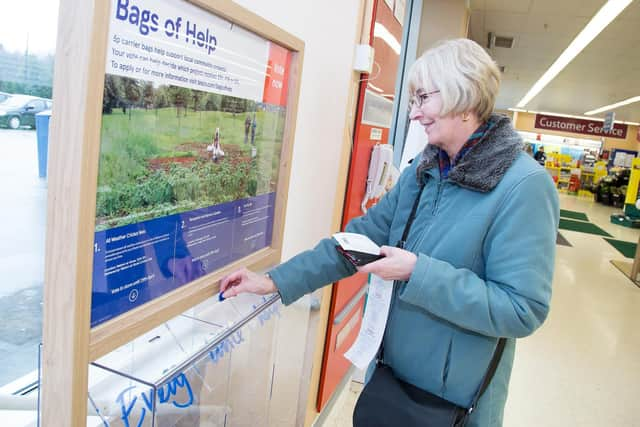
<point x="211" y="366"/>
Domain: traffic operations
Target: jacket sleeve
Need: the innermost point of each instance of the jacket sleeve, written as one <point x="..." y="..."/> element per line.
<point x="312" y="269"/>
<point x="519" y="254"/>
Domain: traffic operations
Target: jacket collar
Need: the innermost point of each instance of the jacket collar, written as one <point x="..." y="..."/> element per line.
<point x="484" y="165"/>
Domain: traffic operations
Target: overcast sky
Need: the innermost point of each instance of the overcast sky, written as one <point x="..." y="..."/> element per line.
<point x="36" y="18"/>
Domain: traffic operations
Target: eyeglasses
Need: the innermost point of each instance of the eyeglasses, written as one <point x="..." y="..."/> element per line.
<point x="420" y="98"/>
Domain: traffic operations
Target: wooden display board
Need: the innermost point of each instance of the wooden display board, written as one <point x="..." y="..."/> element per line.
<point x="123" y="169"/>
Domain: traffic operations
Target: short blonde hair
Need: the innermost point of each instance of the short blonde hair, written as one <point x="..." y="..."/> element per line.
<point x="466" y="76"/>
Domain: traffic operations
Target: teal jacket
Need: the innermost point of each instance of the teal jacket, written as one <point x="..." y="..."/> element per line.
<point x="485" y="240"/>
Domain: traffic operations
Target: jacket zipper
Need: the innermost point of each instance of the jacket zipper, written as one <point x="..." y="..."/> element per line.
<point x="435" y="202"/>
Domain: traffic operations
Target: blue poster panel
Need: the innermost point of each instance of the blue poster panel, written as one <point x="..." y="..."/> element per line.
<point x="192" y="127"/>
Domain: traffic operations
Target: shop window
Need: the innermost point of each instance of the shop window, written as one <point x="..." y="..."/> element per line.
<point x="27" y="47"/>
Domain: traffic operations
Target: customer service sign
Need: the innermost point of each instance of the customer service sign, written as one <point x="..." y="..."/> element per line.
<point x="582" y="126"/>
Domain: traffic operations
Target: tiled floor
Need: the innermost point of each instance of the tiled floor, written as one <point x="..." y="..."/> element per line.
<point x="582" y="367"/>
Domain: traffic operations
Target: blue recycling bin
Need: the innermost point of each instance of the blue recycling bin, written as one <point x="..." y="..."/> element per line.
<point x="42" y="132"/>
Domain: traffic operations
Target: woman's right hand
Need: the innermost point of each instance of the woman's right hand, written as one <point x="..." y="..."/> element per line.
<point x="243" y="280"/>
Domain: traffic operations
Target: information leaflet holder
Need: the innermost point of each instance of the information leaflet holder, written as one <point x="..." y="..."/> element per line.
<point x="169" y="168"/>
<point x="197" y="379"/>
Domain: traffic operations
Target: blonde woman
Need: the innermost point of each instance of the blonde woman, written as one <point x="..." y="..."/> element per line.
<point x="478" y="261"/>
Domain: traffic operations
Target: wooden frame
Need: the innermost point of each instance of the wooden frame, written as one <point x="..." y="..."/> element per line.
<point x="69" y="343"/>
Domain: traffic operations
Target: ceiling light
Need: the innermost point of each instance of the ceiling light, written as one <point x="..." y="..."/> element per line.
<point x="571" y="116"/>
<point x="612" y="106"/>
<point x="600" y="20"/>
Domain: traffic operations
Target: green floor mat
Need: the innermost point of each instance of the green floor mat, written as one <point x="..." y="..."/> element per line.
<point x="573" y="215"/>
<point x="628" y="249"/>
<point x="582" y="227"/>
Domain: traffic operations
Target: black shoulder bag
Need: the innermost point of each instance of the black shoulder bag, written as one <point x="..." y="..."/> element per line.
<point x="387" y="401"/>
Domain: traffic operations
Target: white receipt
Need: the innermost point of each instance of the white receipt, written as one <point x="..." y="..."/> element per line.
<point x="357" y="242"/>
<point x="374" y="322"/>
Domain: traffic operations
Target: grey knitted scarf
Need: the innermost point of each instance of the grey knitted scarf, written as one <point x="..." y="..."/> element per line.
<point x="482" y="168"/>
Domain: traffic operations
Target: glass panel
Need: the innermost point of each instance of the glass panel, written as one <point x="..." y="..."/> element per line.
<point x="192" y="125"/>
<point x="192" y="372"/>
<point x="115" y="400"/>
<point x="27" y="46"/>
<point x="251" y="353"/>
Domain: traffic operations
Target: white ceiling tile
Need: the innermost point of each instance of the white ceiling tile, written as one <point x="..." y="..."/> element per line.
<point x="519" y="6"/>
<point x="632" y="12"/>
<point x="478" y="4"/>
<point x="608" y="70"/>
<point x="504" y="22"/>
<point x="583" y="8"/>
<point x="554" y="24"/>
<point x="621" y="29"/>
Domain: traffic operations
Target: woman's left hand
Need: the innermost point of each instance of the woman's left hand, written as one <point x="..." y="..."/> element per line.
<point x="397" y="264"/>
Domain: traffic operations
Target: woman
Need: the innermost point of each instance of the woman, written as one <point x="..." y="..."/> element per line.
<point x="479" y="258"/>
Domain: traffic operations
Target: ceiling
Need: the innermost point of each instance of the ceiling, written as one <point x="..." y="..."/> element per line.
<point x="605" y="72"/>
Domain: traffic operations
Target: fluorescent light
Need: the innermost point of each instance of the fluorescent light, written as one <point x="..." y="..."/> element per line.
<point x="612" y="106"/>
<point x="519" y="110"/>
<point x="381" y="31"/>
<point x="600" y="20"/>
<point x="571" y="116"/>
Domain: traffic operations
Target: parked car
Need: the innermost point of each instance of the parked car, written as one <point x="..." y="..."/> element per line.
<point x="4" y="96"/>
<point x="21" y="110"/>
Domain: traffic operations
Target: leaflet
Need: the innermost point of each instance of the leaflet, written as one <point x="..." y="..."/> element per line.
<point x="374" y="323"/>
<point x="357" y="242"/>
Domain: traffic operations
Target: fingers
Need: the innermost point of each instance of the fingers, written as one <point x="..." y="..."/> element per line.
<point x="386" y="250"/>
<point x="235" y="290"/>
<point x="397" y="264"/>
<point x="373" y="267"/>
<point x="232" y="279"/>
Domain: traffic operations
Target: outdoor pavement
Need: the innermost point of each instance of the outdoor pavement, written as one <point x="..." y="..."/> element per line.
<point x="22" y="234"/>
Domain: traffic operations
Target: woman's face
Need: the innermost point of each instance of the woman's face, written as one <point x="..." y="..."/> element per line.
<point x="426" y="109"/>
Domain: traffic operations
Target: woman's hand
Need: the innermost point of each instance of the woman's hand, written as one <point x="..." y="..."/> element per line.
<point x="397" y="264"/>
<point x="243" y="280"/>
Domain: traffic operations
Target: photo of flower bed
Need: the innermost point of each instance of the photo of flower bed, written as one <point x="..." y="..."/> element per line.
<point x="156" y="154"/>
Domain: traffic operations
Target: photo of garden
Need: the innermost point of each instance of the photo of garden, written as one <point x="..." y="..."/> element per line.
<point x="168" y="149"/>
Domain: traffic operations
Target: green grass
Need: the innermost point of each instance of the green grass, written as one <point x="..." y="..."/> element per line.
<point x="129" y="190"/>
<point x="125" y="141"/>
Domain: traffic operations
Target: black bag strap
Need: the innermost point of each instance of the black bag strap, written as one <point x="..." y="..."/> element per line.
<point x="497" y="354"/>
<point x="401" y="244"/>
<point x="412" y="216"/>
<point x="488" y="376"/>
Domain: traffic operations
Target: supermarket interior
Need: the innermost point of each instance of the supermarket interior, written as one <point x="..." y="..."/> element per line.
<point x="177" y="174"/>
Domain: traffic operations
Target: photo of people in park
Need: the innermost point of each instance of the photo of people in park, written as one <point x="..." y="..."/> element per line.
<point x="168" y="149"/>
